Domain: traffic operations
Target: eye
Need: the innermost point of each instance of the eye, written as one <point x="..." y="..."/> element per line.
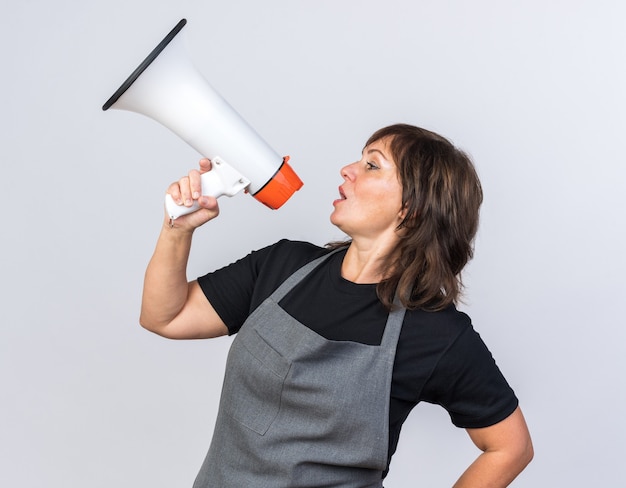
<point x="370" y="165"/>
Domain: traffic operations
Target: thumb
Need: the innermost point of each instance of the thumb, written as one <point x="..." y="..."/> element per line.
<point x="205" y="165"/>
<point x="208" y="202"/>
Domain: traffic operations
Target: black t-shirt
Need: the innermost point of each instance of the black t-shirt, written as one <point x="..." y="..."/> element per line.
<point x="440" y="358"/>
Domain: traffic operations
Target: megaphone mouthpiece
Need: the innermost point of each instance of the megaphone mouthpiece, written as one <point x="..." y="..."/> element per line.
<point x="167" y="88"/>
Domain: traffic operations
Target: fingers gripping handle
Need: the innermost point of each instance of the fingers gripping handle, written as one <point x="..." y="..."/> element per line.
<point x="223" y="179"/>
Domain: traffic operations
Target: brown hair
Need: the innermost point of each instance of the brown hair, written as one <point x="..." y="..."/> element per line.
<point x="442" y="195"/>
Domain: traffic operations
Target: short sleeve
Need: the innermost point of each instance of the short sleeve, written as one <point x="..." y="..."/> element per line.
<point x="229" y="290"/>
<point x="469" y="385"/>
<point x="238" y="289"/>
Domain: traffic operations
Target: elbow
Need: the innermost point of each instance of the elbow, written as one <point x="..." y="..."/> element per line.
<point x="527" y="452"/>
<point x="520" y="445"/>
<point x="160" y="328"/>
<point x="143" y="322"/>
<point x="521" y="454"/>
<point x="146" y="324"/>
<point x="150" y="324"/>
<point x="522" y="448"/>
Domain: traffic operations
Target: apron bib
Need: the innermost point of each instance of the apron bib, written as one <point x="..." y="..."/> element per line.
<point x="298" y="410"/>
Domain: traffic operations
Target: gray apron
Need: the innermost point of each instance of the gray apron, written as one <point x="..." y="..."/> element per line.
<point x="298" y="410"/>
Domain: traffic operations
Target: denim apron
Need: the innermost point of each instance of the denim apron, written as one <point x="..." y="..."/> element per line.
<point x="298" y="410"/>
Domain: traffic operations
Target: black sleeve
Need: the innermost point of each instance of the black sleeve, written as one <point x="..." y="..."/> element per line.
<point x="469" y="385"/>
<point x="229" y="289"/>
<point x="237" y="289"/>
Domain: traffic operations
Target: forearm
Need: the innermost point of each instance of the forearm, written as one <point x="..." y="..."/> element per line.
<point x="165" y="283"/>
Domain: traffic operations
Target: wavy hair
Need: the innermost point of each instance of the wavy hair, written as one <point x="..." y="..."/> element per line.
<point x="442" y="194"/>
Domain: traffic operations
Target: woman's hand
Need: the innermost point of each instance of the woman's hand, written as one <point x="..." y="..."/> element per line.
<point x="188" y="190"/>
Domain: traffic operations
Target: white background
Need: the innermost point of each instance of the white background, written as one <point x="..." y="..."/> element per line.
<point x="533" y="90"/>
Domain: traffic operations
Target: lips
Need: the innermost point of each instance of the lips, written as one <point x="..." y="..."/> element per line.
<point x="342" y="197"/>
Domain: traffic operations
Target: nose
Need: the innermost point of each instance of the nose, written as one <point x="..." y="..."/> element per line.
<point x="347" y="172"/>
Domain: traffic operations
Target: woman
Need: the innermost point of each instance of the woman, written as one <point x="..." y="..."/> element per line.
<point x="336" y="345"/>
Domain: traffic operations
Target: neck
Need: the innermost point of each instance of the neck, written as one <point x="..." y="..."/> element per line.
<point x="365" y="262"/>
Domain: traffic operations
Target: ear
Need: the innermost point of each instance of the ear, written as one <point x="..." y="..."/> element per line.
<point x="403" y="212"/>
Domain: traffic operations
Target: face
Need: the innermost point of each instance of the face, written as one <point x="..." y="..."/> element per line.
<point x="370" y="198"/>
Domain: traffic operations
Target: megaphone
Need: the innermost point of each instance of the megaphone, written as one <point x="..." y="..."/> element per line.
<point x="168" y="88"/>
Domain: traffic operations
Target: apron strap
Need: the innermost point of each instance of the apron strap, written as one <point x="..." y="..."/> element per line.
<point x="393" y="326"/>
<point x="298" y="275"/>
<point x="394" y="320"/>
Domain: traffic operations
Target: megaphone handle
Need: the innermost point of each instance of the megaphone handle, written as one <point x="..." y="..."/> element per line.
<point x="223" y="179"/>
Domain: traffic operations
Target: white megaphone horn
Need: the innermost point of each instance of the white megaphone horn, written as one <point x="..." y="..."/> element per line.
<point x="167" y="88"/>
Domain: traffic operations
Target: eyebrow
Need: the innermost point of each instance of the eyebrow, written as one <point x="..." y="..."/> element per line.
<point x="369" y="151"/>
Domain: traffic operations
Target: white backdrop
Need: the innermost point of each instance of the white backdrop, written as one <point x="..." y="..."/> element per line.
<point x="533" y="90"/>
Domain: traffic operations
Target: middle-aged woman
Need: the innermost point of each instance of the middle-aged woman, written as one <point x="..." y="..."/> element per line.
<point x="335" y="345"/>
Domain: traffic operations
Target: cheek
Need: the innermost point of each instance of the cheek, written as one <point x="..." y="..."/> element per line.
<point x="393" y="196"/>
<point x="386" y="204"/>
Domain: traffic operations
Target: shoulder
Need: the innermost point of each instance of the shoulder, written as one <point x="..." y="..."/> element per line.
<point x="238" y="288"/>
<point x="458" y="356"/>
<point x="282" y="258"/>
<point x="449" y="334"/>
<point x="271" y="264"/>
<point x="427" y="337"/>
<point x="297" y="252"/>
<point x="444" y="326"/>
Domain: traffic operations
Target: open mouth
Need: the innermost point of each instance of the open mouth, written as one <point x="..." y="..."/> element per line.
<point x="342" y="194"/>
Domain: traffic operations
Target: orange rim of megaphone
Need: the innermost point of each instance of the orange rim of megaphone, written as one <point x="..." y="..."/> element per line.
<point x="280" y="188"/>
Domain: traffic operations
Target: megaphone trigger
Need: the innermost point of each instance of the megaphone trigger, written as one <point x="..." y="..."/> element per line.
<point x="222" y="180"/>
